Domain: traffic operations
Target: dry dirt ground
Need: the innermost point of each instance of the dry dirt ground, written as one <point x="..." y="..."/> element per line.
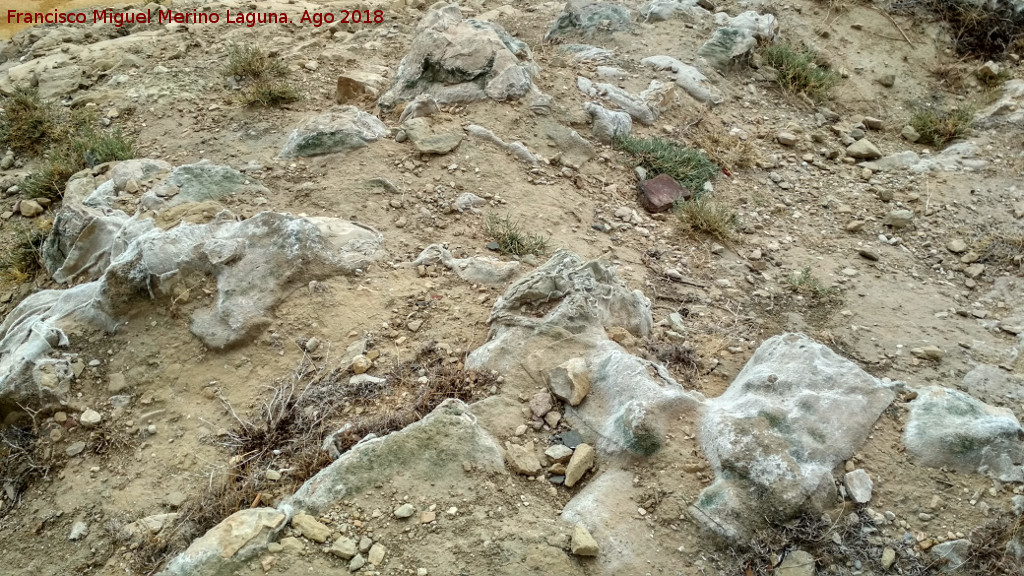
<point x="738" y="294"/>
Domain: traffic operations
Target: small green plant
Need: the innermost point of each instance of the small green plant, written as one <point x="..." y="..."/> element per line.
<point x="21" y="261"/>
<point x="249" y="62"/>
<point x="797" y="70"/>
<point x="88" y="148"/>
<point x="807" y="284"/>
<point x="940" y="127"/>
<point x="702" y="216"/>
<point x="268" y="94"/>
<point x="691" y="168"/>
<point x="508" y="234"/>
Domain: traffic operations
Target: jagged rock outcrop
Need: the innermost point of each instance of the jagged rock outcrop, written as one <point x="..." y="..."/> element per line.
<point x="457" y="60"/>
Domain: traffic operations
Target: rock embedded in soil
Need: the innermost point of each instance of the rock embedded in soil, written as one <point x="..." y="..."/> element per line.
<point x="311" y="528"/>
<point x="947" y="428"/>
<point x="405" y="510"/>
<point x="522" y="459"/>
<point x="376" y="554"/>
<point x="30" y="208"/>
<point x="899" y="218"/>
<point x="660" y="193"/>
<point x="582" y="461"/>
<point x="863" y="149"/>
<point x="90" y="418"/>
<point x="340" y="130"/>
<point x="540" y="404"/>
<point x="344" y="548"/>
<point x="569" y="381"/>
<point x="956" y="246"/>
<point x="858" y="486"/>
<point x="928" y="353"/>
<point x="787" y="139"/>
<point x="796" y="563"/>
<point x="559" y="453"/>
<point x="583" y="544"/>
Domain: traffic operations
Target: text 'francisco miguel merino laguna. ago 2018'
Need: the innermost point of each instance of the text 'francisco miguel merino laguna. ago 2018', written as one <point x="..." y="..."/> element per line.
<point x="249" y="19"/>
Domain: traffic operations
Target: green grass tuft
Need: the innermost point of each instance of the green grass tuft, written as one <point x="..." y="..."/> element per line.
<point x="940" y="127"/>
<point x="28" y="124"/>
<point x="249" y="62"/>
<point x="702" y="216"/>
<point x="797" y="71"/>
<point x="509" y="236"/>
<point x="691" y="168"/>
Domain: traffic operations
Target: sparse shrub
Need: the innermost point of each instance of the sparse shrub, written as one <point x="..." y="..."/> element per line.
<point x="88" y="148"/>
<point x="27" y="124"/>
<point x="949" y="74"/>
<point x="249" y="62"/>
<point x="797" y="70"/>
<point x="807" y="284"/>
<point x="508" y="234"/>
<point x="702" y="216"/>
<point x="981" y="29"/>
<point x="708" y="133"/>
<point x="691" y="168"/>
<point x="940" y="127"/>
<point x="263" y="73"/>
<point x="1001" y="249"/>
<point x="67" y="141"/>
<point x="21" y="261"/>
<point x="268" y="93"/>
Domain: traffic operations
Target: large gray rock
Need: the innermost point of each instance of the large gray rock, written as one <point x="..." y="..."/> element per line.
<point x="727" y="46"/>
<point x="763" y="27"/>
<point x="688" y="78"/>
<point x="456" y="60"/>
<point x="630" y="399"/>
<point x="254" y="263"/>
<point x="795" y="411"/>
<point x="607" y="124"/>
<point x="223" y="549"/>
<point x="644" y="108"/>
<point x="340" y="130"/>
<point x="199" y="182"/>
<point x="585" y="18"/>
<point x="431" y="451"/>
<point x="573" y="149"/>
<point x="949" y="428"/>
<point x="684" y="10"/>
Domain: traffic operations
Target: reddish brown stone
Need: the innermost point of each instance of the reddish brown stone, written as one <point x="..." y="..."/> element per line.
<point x="659" y="193"/>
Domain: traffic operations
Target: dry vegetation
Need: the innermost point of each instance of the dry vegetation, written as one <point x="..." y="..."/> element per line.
<point x="310" y="418"/>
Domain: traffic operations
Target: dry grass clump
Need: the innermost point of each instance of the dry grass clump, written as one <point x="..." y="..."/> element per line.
<point x="709" y="134"/>
<point x="940" y="127"/>
<point x="23" y="260"/>
<point x="264" y="75"/>
<point x="249" y="62"/>
<point x="1006" y="249"/>
<point x="807" y="284"/>
<point x="701" y="216"/>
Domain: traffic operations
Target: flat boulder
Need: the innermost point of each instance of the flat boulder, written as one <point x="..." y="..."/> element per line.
<point x="431" y="451"/>
<point x="948" y="428"/>
<point x="340" y="130"/>
<point x="795" y="411"/>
